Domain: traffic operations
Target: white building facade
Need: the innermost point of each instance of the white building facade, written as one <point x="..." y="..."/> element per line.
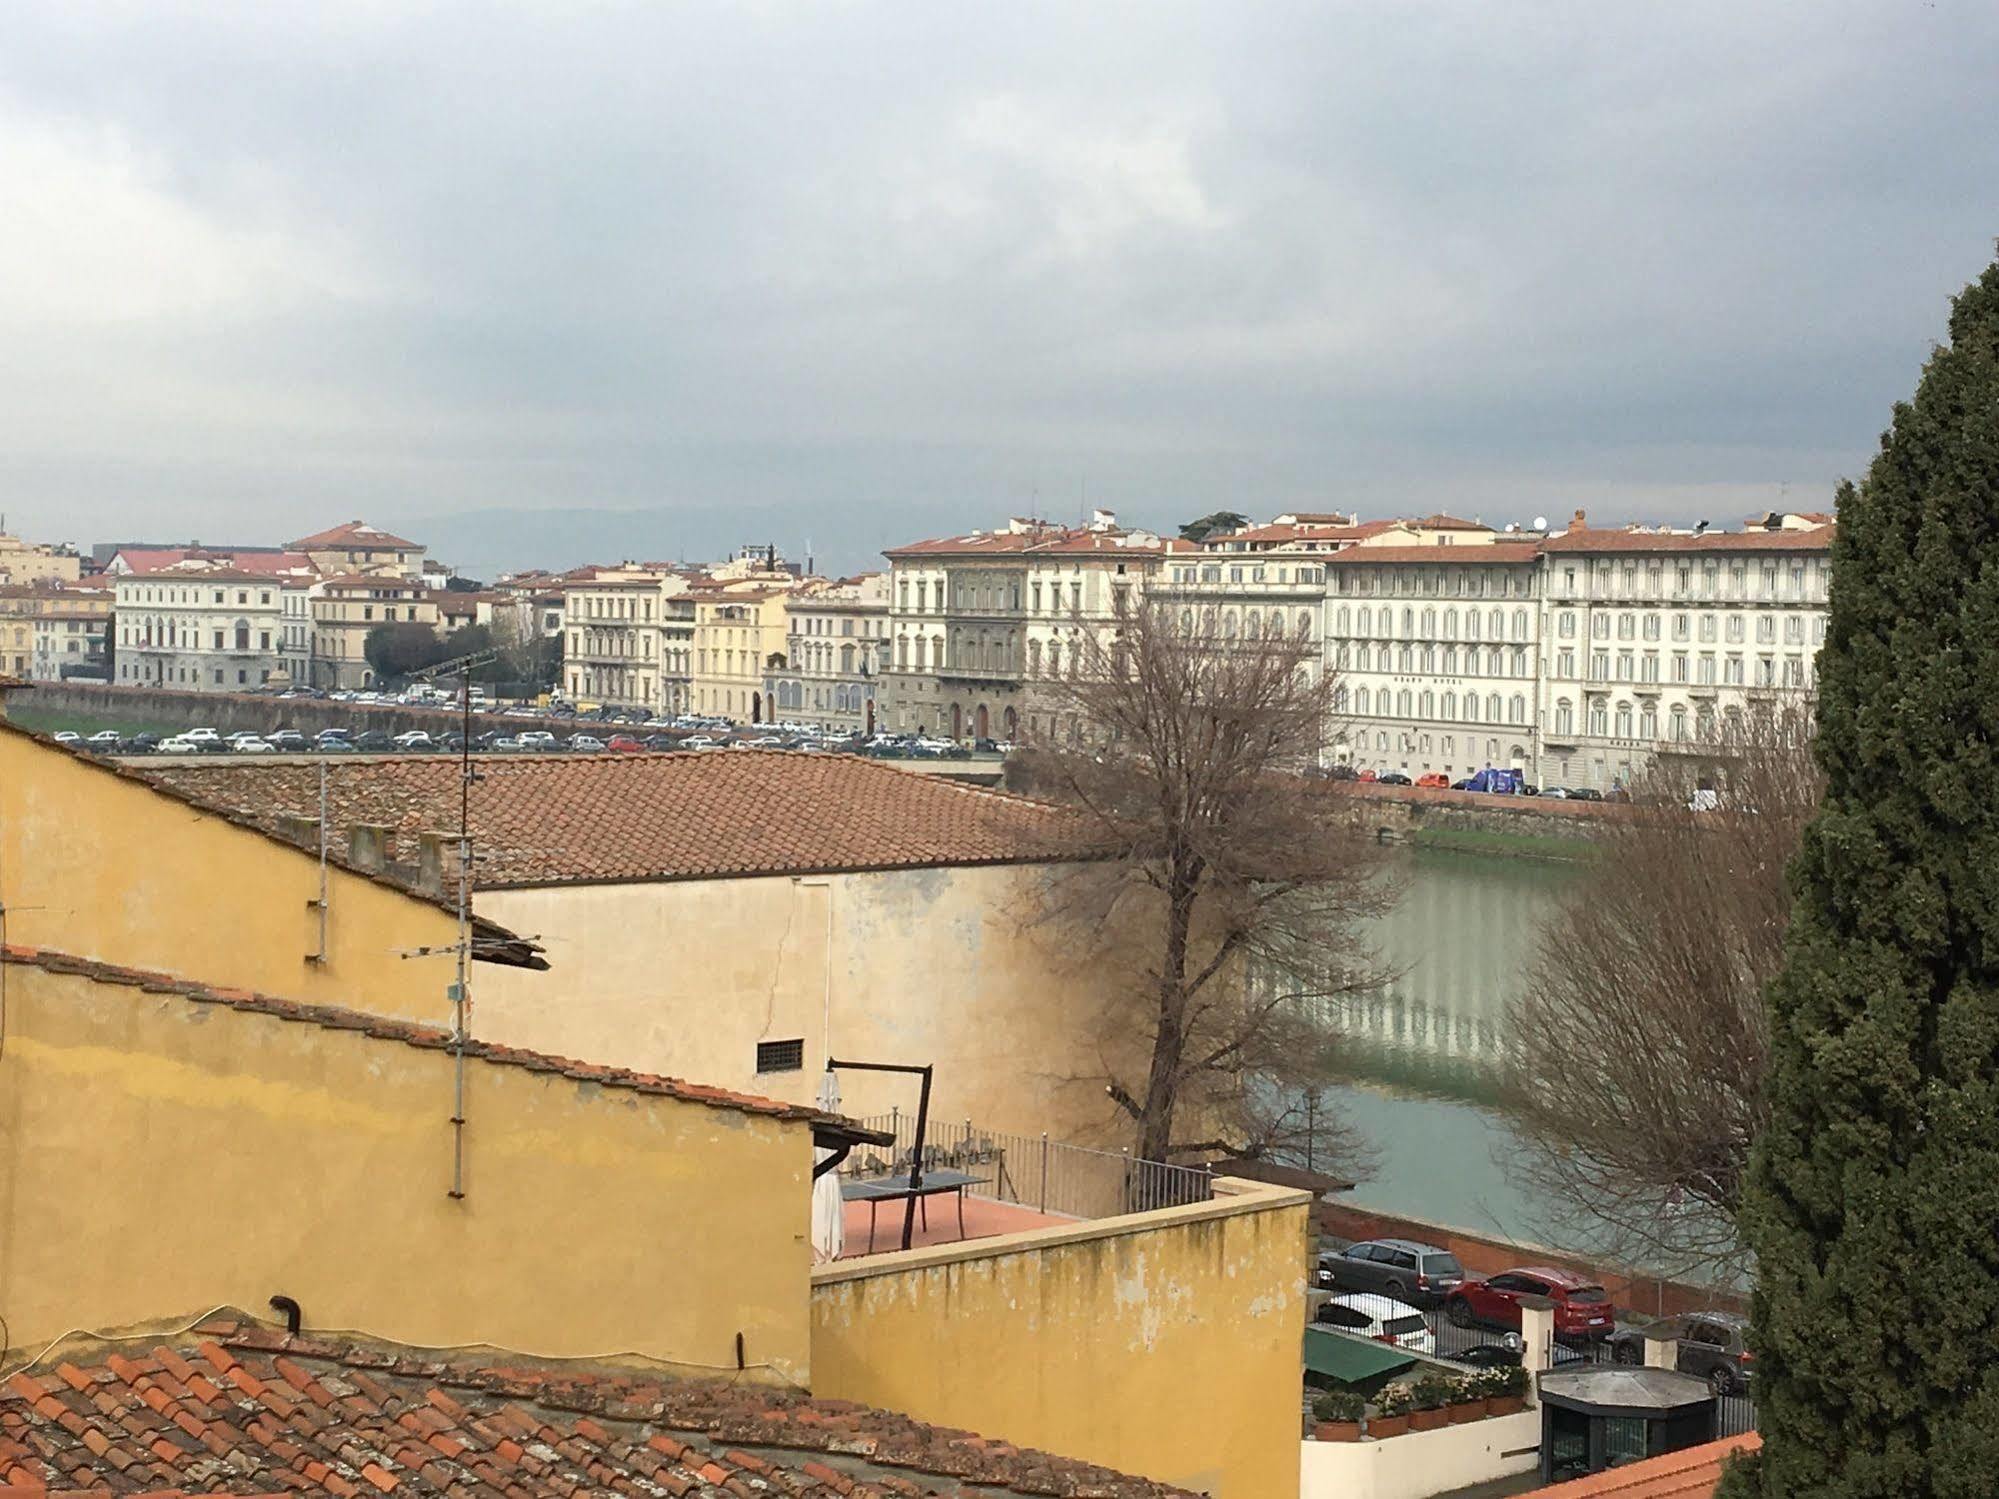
<point x="836" y="646"/>
<point x="198" y="628"/>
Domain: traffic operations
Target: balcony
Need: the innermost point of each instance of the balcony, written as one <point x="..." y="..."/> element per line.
<point x="992" y="1183"/>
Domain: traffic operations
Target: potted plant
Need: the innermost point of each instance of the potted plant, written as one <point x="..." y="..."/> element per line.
<point x="1336" y="1416"/>
<point x="1391" y="1412"/>
<point x="1428" y="1398"/>
<point x="1505" y="1391"/>
<point x="1467" y="1402"/>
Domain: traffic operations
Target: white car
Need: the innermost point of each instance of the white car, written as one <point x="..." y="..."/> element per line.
<point x="179" y="744"/>
<point x="68" y="736"/>
<point x="106" y="739"/>
<point x="251" y="745"/>
<point x="198" y="736"/>
<point x="697" y="742"/>
<point x="1381" y="1318"/>
<point x="582" y="744"/>
<point x="413" y="739"/>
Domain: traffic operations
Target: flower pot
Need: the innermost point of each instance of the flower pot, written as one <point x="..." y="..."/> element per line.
<point x="1336" y="1431"/>
<point x="1505" y="1405"/>
<point x="1428" y="1420"/>
<point x="1387" y="1426"/>
<point x="1464" y="1412"/>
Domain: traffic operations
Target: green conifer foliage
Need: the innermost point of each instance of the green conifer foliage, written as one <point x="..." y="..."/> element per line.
<point x="1873" y="1205"/>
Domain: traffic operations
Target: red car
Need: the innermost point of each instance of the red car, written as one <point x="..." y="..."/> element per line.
<point x="624" y="744"/>
<point x="1434" y="779"/>
<point x="1582" y="1310"/>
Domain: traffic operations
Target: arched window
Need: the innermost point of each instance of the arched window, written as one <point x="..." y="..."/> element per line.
<point x="1408" y="621"/>
<point x="1402" y="702"/>
<point x="1339" y="700"/>
<point x="1343" y="621"/>
<point x="1492" y="707"/>
<point x="1450" y="706"/>
<point x="1253" y="625"/>
<point x="1304" y="624"/>
<point x="1228" y="624"/>
<point x="1519" y="624"/>
<point x="1429" y="622"/>
<point x="1599" y="717"/>
<point x="1648" y="721"/>
<point x="1276" y="624"/>
<point x="1361" y="701"/>
<point x="1565" y="717"/>
<point x="1364" y="657"/>
<point x="1427" y="705"/>
<point x="1471" y="624"/>
<point x="1495" y="626"/>
<point x="1516" y="709"/>
<point x="1405" y="658"/>
<point x="1450" y="624"/>
<point x="1429" y="658"/>
<point x="1366" y="620"/>
<point x="1187" y="622"/>
<point x="1624" y="720"/>
<point x="1450" y="660"/>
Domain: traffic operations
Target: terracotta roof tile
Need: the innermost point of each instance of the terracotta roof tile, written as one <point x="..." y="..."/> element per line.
<point x="291" y="1413"/>
<point x="624" y="818"/>
<point x="1691" y="1473"/>
<point x="408" y="1033"/>
<point x="354" y="534"/>
<point x="1490" y="553"/>
<point x="1817" y="539"/>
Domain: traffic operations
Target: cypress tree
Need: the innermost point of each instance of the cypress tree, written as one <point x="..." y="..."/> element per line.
<point x="1873" y="1202"/>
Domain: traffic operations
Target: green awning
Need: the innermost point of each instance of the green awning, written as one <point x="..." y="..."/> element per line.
<point x="1351" y="1360"/>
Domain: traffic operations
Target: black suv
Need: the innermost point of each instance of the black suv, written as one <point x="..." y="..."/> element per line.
<point x="1420" y="1274"/>
<point x="1711" y="1345"/>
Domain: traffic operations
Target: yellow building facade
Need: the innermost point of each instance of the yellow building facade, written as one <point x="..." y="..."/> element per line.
<point x="164" y="1155"/>
<point x="738" y="631"/>
<point x="1163" y="1343"/>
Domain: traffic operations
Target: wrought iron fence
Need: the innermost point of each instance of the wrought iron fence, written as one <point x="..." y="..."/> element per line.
<point x="1050" y="1176"/>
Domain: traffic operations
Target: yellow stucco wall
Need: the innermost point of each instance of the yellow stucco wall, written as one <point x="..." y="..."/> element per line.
<point x="100" y="866"/>
<point x="945" y="966"/>
<point x="160" y="1157"/>
<point x="1164" y="1344"/>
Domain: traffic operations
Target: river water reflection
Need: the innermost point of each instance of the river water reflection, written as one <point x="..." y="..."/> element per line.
<point x="1419" y="1063"/>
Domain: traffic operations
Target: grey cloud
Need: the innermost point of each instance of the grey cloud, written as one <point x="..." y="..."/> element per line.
<point x="832" y="269"/>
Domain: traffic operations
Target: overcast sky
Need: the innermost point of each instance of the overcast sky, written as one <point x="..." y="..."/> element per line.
<point x="593" y="279"/>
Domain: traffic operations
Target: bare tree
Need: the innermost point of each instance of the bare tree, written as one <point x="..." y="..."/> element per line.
<point x="1637" y="1048"/>
<point x="1235" y="886"/>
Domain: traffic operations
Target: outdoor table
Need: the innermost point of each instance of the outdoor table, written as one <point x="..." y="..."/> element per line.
<point x="883" y="1189"/>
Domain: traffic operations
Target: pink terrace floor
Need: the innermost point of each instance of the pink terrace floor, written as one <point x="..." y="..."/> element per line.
<point x="983" y="1219"/>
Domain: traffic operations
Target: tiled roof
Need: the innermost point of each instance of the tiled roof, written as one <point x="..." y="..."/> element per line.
<point x="1817" y="539"/>
<point x="409" y="1033"/>
<point x="375" y="580"/>
<point x="1442" y="522"/>
<point x="1486" y="552"/>
<point x="355" y="534"/>
<point x="1047" y="540"/>
<point x="1690" y="1473"/>
<point x="260" y="561"/>
<point x="1302" y="530"/>
<point x="196" y="572"/>
<point x="244" y="1409"/>
<point x="619" y="818"/>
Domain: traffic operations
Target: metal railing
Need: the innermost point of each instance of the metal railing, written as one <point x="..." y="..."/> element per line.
<point x="1050" y="1176"/>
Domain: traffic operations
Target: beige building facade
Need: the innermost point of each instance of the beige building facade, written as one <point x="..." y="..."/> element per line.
<point x="37" y="562"/>
<point x="358" y="547"/>
<point x="345" y="609"/>
<point x="739" y="637"/>
<point x="836" y="648"/>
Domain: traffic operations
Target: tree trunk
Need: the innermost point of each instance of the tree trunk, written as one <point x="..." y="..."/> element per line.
<point x="1169" y="1045"/>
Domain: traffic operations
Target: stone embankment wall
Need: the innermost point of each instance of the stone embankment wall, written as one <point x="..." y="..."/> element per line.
<point x="256" y="713"/>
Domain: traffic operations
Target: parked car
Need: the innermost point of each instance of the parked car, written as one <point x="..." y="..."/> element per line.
<point x="537" y="739"/>
<point x="1711" y="1345"/>
<point x="334" y="746"/>
<point x="251" y="745"/>
<point x="1392" y="778"/>
<point x="68" y="736"/>
<point x="1366" y="775"/>
<point x="1585" y="794"/>
<point x="582" y="744"/>
<point x="1582" y="1310"/>
<point x="1434" y="779"/>
<point x="697" y="742"/>
<point x="1558" y="793"/>
<point x="623" y="744"/>
<point x="106" y="742"/>
<point x="180" y="744"/>
<point x="374" y="741"/>
<point x="1505" y="1354"/>
<point x="325" y="734"/>
<point x="1382" y="1318"/>
<point x="1421" y="1274"/>
<point x="413" y="739"/>
<point x="291" y="741"/>
<point x="142" y="744"/>
<point x="199" y="736"/>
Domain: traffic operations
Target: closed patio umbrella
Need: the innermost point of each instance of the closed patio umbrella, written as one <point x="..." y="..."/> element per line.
<point x="829" y="1226"/>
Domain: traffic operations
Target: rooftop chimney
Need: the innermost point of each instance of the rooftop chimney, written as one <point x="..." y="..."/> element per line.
<point x="368" y="846"/>
<point x="1580" y="522"/>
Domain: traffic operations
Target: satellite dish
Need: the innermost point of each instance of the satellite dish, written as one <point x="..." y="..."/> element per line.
<point x="1540" y="522"/>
